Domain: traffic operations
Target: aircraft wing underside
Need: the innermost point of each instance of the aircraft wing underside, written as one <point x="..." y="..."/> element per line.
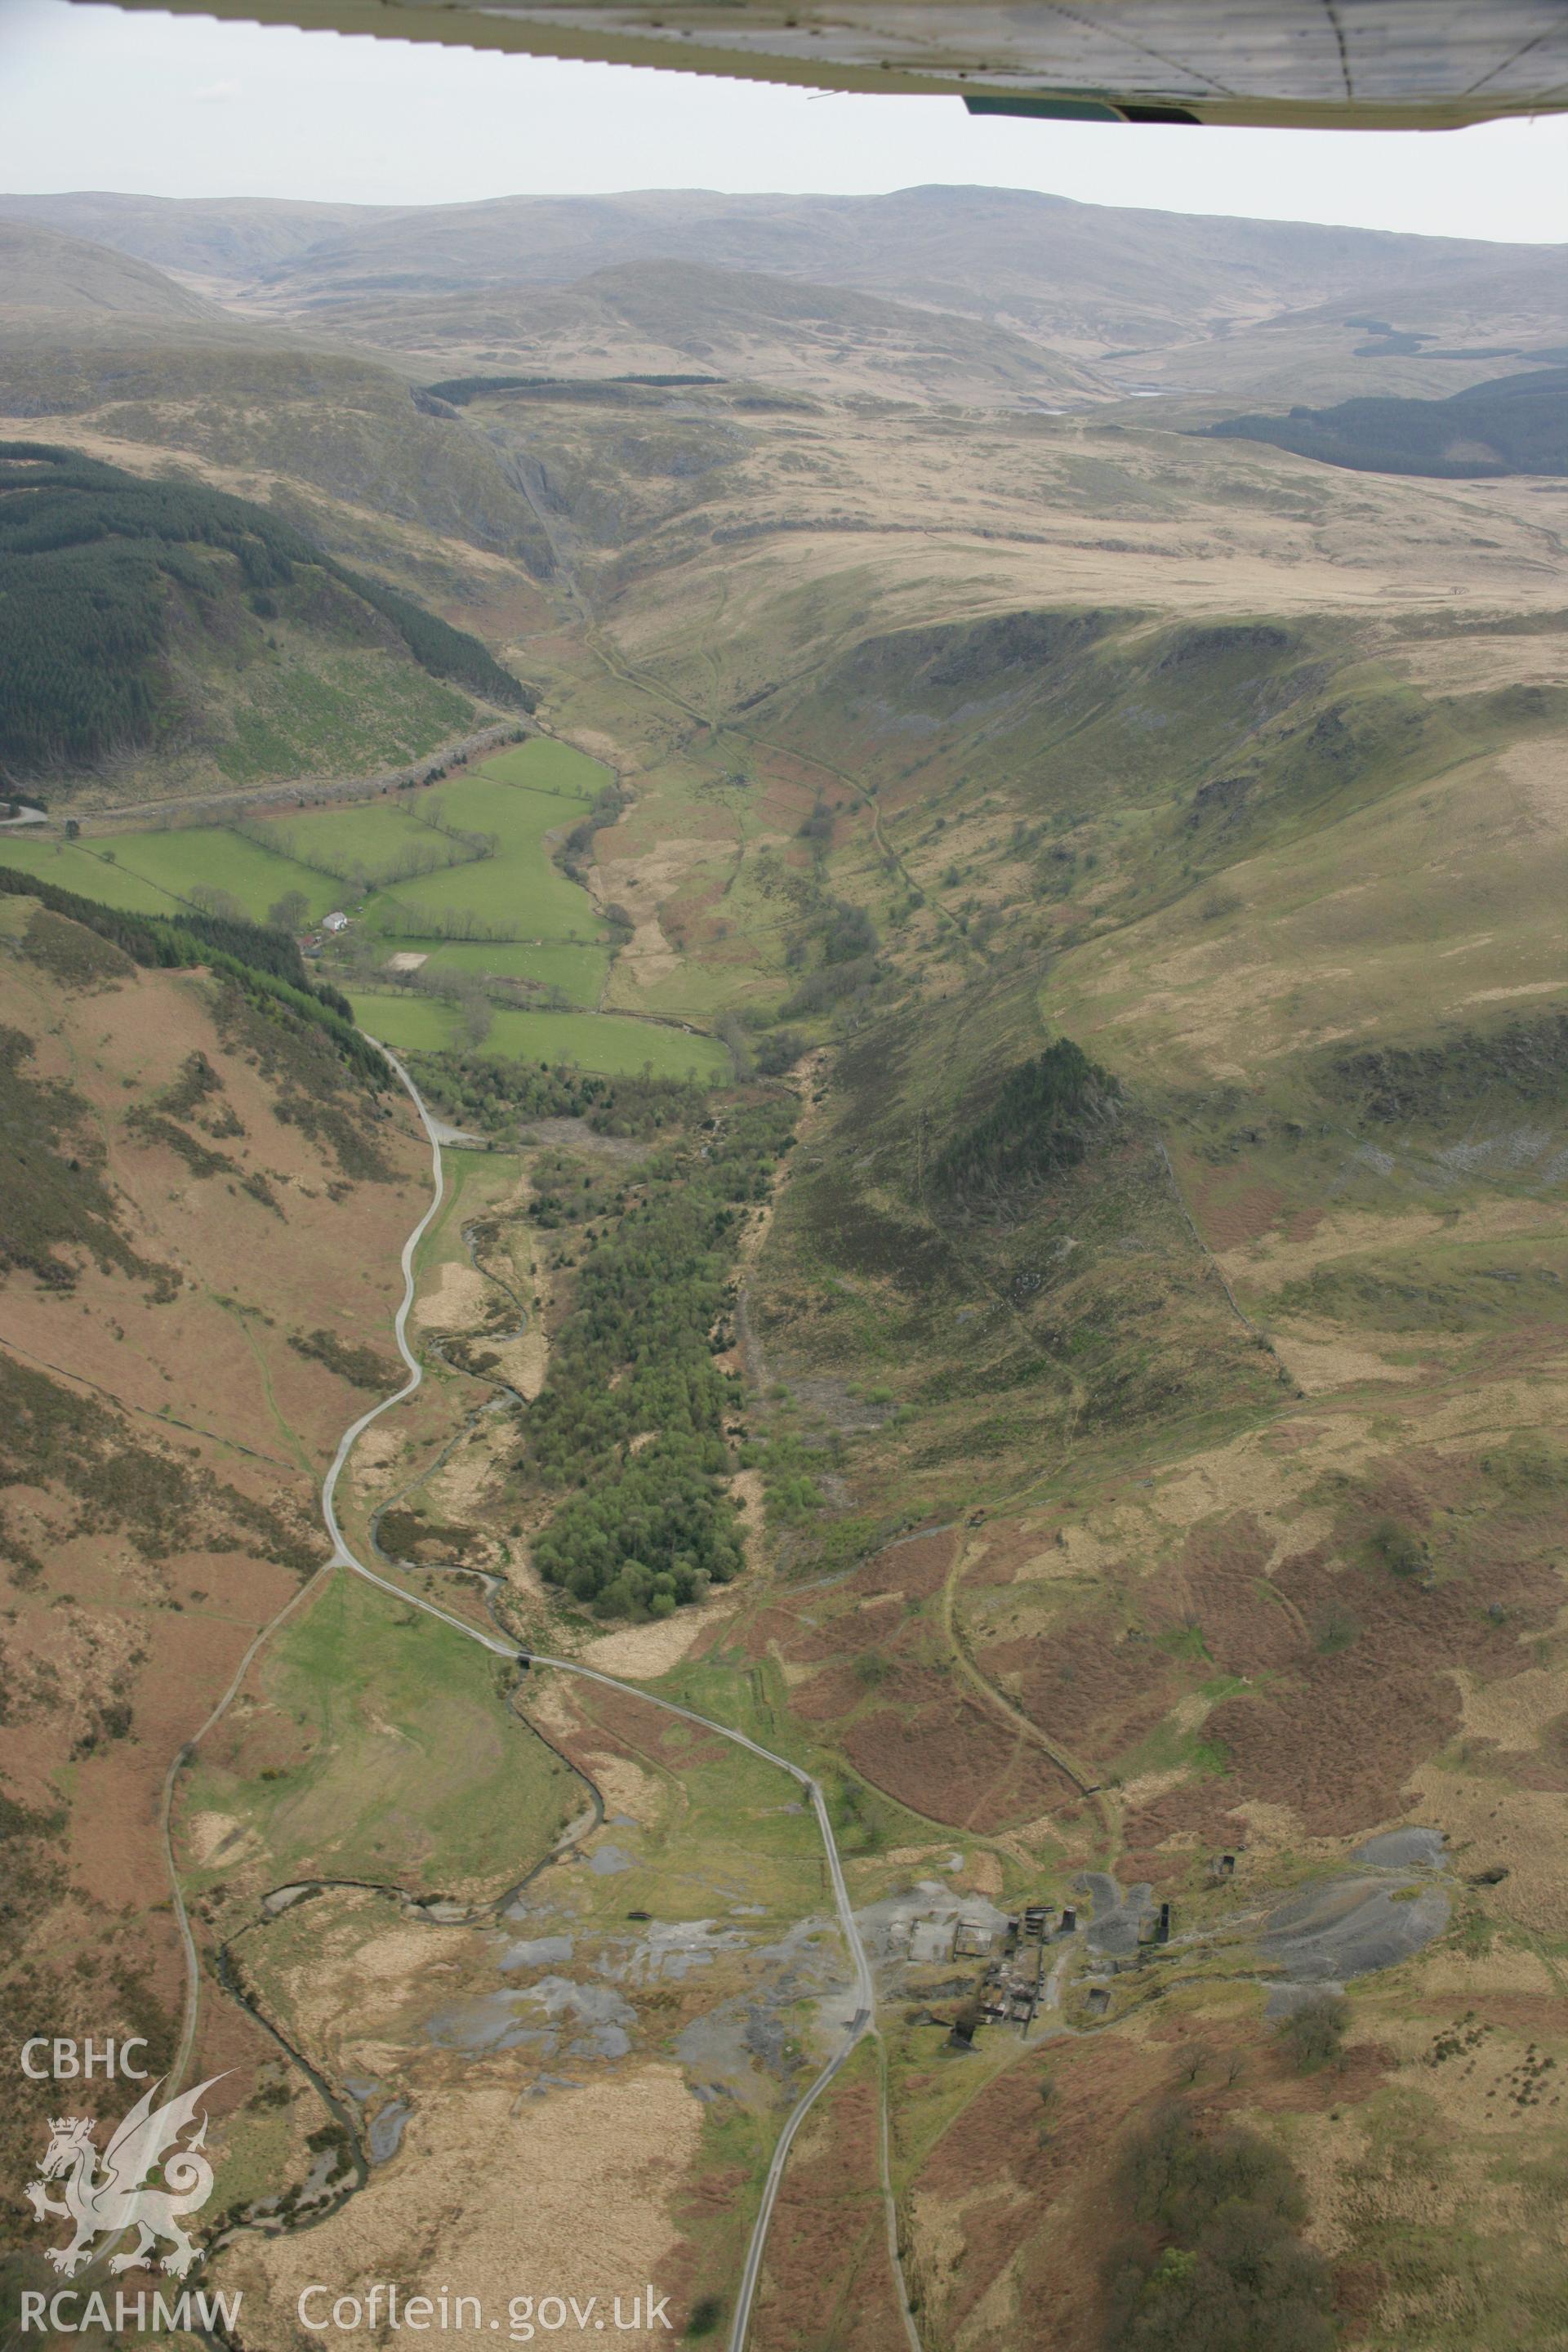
<point x="1370" y="64"/>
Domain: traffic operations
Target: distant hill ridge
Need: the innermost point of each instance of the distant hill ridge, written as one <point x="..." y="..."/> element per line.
<point x="40" y="269"/>
<point x="1041" y="263"/>
<point x="222" y="236"/>
<point x="659" y="320"/>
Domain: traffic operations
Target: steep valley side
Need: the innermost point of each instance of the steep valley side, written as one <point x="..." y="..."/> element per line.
<point x="196" y="1185"/>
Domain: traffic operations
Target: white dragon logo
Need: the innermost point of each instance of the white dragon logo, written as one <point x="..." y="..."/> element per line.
<point x="117" y="2197"/>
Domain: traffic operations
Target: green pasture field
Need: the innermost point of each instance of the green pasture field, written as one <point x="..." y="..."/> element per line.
<point x="577" y="970"/>
<point x="617" y="1044"/>
<point x="461" y="1796"/>
<point x="369" y="833"/>
<point x="521" y="795"/>
<point x="154" y="873"/>
<point x="71" y="868"/>
<point x="548" y="767"/>
<point x="414" y="1024"/>
<point x="490" y="803"/>
<point x="520" y="886"/>
<point x="180" y="862"/>
<point x="608" y="1042"/>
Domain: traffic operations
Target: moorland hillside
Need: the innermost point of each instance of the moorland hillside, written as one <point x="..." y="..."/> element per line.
<point x="195" y="1152"/>
<point x="227" y="239"/>
<point x="42" y="269"/>
<point x="656" y="317"/>
<point x="929" y="244"/>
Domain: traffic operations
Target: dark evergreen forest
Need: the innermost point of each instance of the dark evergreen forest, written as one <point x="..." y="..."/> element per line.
<point x="1514" y="425"/>
<point x="1038" y="1125"/>
<point x="92" y="563"/>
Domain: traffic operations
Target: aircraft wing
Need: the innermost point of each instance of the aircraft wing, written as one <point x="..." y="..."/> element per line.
<point x="1429" y="65"/>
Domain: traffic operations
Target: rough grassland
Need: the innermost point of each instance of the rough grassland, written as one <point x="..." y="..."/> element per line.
<point x="341" y="716"/>
<point x="382" y="1750"/>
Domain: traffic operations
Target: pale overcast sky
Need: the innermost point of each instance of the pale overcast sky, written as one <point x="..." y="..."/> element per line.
<point x="91" y="98"/>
